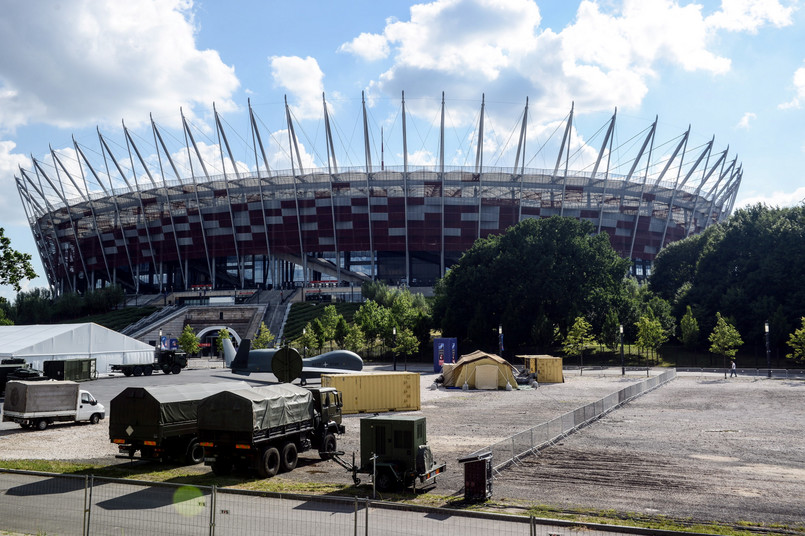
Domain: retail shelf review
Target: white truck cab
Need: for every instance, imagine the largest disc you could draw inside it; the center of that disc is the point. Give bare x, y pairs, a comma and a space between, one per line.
36, 404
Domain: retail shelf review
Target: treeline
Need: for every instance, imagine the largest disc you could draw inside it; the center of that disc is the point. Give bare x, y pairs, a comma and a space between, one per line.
39, 306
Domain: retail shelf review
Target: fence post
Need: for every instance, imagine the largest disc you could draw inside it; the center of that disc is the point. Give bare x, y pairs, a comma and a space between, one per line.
212, 510
355, 531
89, 504
84, 513
366, 519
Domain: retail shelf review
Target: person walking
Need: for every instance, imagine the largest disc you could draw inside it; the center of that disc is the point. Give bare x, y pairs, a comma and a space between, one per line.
732, 370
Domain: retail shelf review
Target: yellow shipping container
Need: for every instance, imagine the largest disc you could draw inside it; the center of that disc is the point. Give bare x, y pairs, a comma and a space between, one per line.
376, 392
548, 368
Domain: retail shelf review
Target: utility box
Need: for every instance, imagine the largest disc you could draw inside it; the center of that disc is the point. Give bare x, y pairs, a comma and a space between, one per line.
547, 368
477, 476
376, 392
76, 370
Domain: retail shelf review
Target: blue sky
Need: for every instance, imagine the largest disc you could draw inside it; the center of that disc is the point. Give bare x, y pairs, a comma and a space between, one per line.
733, 69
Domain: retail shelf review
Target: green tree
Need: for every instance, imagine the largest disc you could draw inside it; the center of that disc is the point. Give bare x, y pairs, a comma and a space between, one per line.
189, 341
264, 337
797, 343
650, 333
319, 335
689, 328
14, 266
355, 339
406, 343
219, 342
308, 339
610, 332
578, 337
555, 267
724, 340
341, 331
329, 321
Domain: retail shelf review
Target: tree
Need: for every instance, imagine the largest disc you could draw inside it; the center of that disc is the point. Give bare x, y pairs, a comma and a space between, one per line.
724, 340
189, 341
797, 343
650, 333
355, 340
407, 344
264, 337
689, 328
308, 339
341, 332
610, 332
14, 266
219, 342
329, 321
579, 336
559, 268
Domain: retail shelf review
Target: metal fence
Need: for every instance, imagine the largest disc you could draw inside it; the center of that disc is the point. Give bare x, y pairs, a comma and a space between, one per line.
53, 504
531, 441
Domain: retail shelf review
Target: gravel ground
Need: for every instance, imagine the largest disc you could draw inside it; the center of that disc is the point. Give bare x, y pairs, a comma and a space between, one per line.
700, 447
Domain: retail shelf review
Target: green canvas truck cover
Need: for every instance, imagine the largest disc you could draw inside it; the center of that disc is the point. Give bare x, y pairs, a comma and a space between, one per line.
25, 397
143, 408
258, 408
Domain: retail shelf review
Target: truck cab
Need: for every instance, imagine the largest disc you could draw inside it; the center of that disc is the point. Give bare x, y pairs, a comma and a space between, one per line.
88, 408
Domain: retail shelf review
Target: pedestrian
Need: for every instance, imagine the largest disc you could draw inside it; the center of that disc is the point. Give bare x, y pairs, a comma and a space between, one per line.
732, 370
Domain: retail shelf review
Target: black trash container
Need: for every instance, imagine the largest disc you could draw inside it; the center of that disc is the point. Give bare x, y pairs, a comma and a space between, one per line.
477, 476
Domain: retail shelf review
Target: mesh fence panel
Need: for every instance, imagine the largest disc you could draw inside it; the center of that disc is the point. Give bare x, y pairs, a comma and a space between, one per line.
23, 497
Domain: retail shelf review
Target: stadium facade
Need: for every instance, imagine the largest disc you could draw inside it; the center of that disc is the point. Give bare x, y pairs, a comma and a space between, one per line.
158, 231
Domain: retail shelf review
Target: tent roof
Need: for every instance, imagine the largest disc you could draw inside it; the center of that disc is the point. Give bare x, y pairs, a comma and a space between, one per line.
55, 339
479, 355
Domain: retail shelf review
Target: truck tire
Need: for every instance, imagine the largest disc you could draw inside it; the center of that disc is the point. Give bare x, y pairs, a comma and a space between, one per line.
147, 370
328, 446
289, 456
94, 418
41, 424
138, 370
269, 463
176, 369
126, 372
385, 480
195, 452
166, 369
222, 466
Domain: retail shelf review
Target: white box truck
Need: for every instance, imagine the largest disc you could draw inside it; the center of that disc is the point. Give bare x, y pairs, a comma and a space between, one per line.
38, 404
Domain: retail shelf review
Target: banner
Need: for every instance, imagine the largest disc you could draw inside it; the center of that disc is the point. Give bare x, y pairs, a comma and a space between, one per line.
444, 351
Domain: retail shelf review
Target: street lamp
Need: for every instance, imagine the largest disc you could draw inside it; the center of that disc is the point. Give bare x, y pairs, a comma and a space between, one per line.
394, 338
768, 351
500, 340
304, 343
623, 366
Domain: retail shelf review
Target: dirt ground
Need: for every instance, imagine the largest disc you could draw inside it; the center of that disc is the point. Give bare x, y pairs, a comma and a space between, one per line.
699, 448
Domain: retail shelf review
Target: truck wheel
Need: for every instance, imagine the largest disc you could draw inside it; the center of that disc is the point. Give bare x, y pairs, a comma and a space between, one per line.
328, 446
138, 370
41, 424
269, 463
195, 452
147, 370
176, 369
166, 369
385, 480
222, 467
94, 418
289, 456
25, 424
127, 372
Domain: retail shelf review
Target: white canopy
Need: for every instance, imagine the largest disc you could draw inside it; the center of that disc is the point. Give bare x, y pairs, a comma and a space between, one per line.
39, 343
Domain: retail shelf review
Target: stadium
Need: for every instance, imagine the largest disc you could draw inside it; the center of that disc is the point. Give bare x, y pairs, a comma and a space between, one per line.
131, 217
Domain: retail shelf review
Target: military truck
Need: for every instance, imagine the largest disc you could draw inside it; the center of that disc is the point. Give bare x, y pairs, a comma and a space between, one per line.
265, 428
160, 422
7, 367
394, 450
168, 361
40, 403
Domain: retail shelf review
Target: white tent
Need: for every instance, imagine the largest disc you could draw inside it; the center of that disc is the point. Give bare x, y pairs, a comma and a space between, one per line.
39, 343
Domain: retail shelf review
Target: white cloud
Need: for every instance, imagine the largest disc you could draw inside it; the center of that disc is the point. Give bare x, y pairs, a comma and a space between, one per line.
10, 163
606, 57
95, 61
799, 87
744, 122
370, 47
303, 78
773, 199
750, 15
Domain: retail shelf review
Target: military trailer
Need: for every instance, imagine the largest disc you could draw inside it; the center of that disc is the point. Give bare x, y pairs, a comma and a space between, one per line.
394, 449
265, 428
168, 361
161, 422
9, 366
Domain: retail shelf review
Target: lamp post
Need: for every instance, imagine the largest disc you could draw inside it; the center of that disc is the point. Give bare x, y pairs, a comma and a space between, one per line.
768, 351
304, 343
500, 340
394, 338
623, 366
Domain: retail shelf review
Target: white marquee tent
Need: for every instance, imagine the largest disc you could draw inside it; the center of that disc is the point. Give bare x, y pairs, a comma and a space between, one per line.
39, 343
